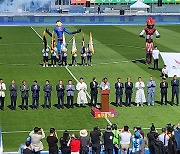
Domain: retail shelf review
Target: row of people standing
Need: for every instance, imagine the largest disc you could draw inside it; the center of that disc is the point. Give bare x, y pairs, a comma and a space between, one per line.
86, 58
82, 92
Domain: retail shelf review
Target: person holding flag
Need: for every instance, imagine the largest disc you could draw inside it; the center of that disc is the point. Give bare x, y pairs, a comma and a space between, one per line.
83, 53
73, 53
45, 51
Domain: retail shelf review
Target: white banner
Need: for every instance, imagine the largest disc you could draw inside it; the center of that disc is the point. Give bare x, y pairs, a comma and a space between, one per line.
172, 60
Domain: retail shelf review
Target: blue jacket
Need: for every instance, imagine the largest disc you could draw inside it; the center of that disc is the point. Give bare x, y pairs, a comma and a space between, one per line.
59, 31
35, 90
151, 86
13, 90
47, 90
70, 90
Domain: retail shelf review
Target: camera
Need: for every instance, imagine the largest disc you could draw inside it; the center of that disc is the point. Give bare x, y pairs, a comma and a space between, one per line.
137, 128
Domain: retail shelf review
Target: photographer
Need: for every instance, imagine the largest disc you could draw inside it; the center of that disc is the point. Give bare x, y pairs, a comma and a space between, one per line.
75, 144
36, 138
125, 136
151, 138
52, 141
136, 143
158, 145
165, 139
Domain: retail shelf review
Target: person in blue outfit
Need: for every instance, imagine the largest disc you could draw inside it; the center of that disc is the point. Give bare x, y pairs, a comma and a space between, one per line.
151, 91
136, 143
59, 30
35, 88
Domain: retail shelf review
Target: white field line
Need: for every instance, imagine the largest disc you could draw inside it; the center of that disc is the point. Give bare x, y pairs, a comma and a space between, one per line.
68, 71
18, 44
60, 130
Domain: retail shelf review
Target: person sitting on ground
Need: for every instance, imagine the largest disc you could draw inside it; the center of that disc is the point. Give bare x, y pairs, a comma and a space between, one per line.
164, 73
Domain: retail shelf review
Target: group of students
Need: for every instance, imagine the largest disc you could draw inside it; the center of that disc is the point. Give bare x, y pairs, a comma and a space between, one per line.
86, 58
111, 139
81, 87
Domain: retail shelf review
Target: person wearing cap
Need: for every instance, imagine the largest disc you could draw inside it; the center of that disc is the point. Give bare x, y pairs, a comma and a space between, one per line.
74, 144
2, 94
47, 94
136, 143
125, 137
175, 90
24, 88
52, 141
35, 88
13, 88
36, 138
108, 140
85, 140
95, 140
164, 89
28, 149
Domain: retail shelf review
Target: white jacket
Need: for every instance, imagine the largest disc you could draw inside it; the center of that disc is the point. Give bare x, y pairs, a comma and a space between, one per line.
2, 90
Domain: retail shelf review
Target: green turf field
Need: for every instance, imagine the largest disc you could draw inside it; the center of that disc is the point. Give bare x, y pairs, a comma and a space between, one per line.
116, 48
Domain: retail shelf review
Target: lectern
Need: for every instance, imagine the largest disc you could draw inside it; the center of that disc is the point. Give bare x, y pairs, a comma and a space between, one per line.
105, 100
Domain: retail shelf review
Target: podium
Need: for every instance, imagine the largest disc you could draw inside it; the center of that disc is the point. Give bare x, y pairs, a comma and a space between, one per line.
105, 111
105, 100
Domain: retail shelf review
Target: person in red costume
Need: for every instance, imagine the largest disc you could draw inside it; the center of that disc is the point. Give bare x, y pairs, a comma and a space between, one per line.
149, 30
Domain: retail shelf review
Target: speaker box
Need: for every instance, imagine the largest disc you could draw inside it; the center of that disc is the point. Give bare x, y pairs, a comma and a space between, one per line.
87, 3
159, 2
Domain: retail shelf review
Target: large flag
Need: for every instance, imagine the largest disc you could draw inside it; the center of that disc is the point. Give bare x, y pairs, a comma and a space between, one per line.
74, 49
91, 48
63, 47
172, 61
45, 41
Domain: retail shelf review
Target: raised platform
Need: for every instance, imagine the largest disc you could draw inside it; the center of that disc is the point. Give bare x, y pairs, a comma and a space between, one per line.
112, 113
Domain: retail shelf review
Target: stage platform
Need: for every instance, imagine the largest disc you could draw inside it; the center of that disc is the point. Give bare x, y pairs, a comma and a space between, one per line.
112, 113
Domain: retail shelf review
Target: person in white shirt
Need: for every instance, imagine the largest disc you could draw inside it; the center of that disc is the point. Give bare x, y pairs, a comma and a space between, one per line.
140, 96
2, 94
155, 54
125, 136
164, 138
164, 72
81, 87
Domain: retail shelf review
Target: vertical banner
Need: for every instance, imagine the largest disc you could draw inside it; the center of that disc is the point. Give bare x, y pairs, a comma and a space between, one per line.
172, 60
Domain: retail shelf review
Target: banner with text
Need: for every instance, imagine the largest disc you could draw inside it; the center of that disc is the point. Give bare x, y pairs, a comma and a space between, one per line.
172, 60
132, 1
78, 1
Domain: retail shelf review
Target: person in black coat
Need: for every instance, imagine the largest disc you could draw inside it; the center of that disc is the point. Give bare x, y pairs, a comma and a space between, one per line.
164, 87
119, 86
94, 92
108, 140
60, 94
158, 145
95, 140
63, 143
175, 90
128, 91
35, 88
13, 94
28, 149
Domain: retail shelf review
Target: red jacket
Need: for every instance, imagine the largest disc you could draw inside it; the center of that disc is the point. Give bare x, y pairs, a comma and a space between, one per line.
75, 145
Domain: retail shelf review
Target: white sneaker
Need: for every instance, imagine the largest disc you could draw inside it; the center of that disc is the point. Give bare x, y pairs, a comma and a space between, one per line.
54, 65
51, 65
75, 65
47, 66
141, 105
44, 65
137, 104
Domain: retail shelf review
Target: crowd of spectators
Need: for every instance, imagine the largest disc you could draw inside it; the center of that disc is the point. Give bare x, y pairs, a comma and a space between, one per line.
108, 141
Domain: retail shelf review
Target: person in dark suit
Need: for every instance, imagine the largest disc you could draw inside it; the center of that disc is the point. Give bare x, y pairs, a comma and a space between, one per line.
175, 90
70, 88
128, 91
119, 86
60, 94
94, 92
35, 88
24, 88
13, 88
47, 94
28, 149
164, 87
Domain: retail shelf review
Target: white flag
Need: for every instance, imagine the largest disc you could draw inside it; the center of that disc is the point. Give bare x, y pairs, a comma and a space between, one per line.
74, 49
91, 48
63, 46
